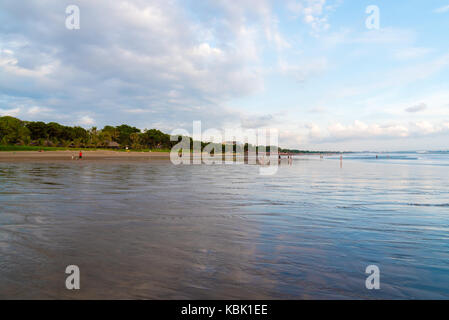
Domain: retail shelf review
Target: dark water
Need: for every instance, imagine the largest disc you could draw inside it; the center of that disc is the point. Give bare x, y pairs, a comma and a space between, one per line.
154, 230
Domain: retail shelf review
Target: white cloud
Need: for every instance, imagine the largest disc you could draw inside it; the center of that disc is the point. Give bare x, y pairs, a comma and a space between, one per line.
401, 40
10, 112
86, 121
416, 108
290, 138
419, 71
314, 131
135, 54
138, 111
313, 12
422, 128
35, 110
359, 130
258, 121
411, 53
156, 63
238, 14
317, 109
442, 9
394, 77
384, 36
305, 70
205, 51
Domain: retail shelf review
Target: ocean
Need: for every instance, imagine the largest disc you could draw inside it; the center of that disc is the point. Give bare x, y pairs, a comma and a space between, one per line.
153, 230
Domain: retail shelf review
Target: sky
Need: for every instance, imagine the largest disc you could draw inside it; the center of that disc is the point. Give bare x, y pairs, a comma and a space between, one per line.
327, 74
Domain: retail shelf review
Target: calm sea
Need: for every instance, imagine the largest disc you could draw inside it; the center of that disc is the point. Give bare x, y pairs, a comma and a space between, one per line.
153, 230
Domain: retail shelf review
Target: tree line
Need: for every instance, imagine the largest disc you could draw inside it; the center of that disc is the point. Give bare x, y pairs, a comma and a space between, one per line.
14, 131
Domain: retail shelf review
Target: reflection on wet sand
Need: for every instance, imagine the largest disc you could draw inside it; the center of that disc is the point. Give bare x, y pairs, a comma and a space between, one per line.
158, 231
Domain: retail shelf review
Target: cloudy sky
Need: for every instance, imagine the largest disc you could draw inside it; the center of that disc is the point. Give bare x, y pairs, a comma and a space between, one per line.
310, 68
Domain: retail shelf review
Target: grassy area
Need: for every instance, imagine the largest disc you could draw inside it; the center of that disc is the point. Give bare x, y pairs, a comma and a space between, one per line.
140, 150
37, 148
30, 148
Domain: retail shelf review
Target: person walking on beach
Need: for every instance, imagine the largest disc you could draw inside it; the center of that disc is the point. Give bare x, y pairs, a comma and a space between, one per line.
80, 155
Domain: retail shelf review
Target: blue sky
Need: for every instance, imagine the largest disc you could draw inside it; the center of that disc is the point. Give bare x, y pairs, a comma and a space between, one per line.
310, 68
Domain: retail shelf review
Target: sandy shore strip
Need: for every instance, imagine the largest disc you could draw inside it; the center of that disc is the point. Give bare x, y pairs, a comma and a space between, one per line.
72, 155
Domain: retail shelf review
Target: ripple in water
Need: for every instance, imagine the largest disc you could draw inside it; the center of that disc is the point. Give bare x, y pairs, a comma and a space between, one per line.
158, 231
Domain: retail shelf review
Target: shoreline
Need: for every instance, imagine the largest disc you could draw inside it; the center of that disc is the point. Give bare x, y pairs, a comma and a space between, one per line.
93, 155
66, 155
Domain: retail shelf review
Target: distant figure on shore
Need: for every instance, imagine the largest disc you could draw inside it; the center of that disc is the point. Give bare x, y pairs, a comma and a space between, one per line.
80, 155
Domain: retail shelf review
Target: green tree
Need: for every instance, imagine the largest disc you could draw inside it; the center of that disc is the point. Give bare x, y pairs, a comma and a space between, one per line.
124, 134
38, 130
109, 133
13, 131
54, 131
156, 139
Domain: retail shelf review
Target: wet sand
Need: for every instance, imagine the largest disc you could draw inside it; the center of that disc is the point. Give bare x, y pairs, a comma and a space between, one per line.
69, 155
94, 155
153, 230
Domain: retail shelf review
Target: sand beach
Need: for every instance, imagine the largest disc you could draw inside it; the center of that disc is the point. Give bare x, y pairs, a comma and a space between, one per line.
72, 155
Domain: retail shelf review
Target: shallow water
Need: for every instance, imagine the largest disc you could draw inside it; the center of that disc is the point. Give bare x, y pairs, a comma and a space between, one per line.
155, 230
